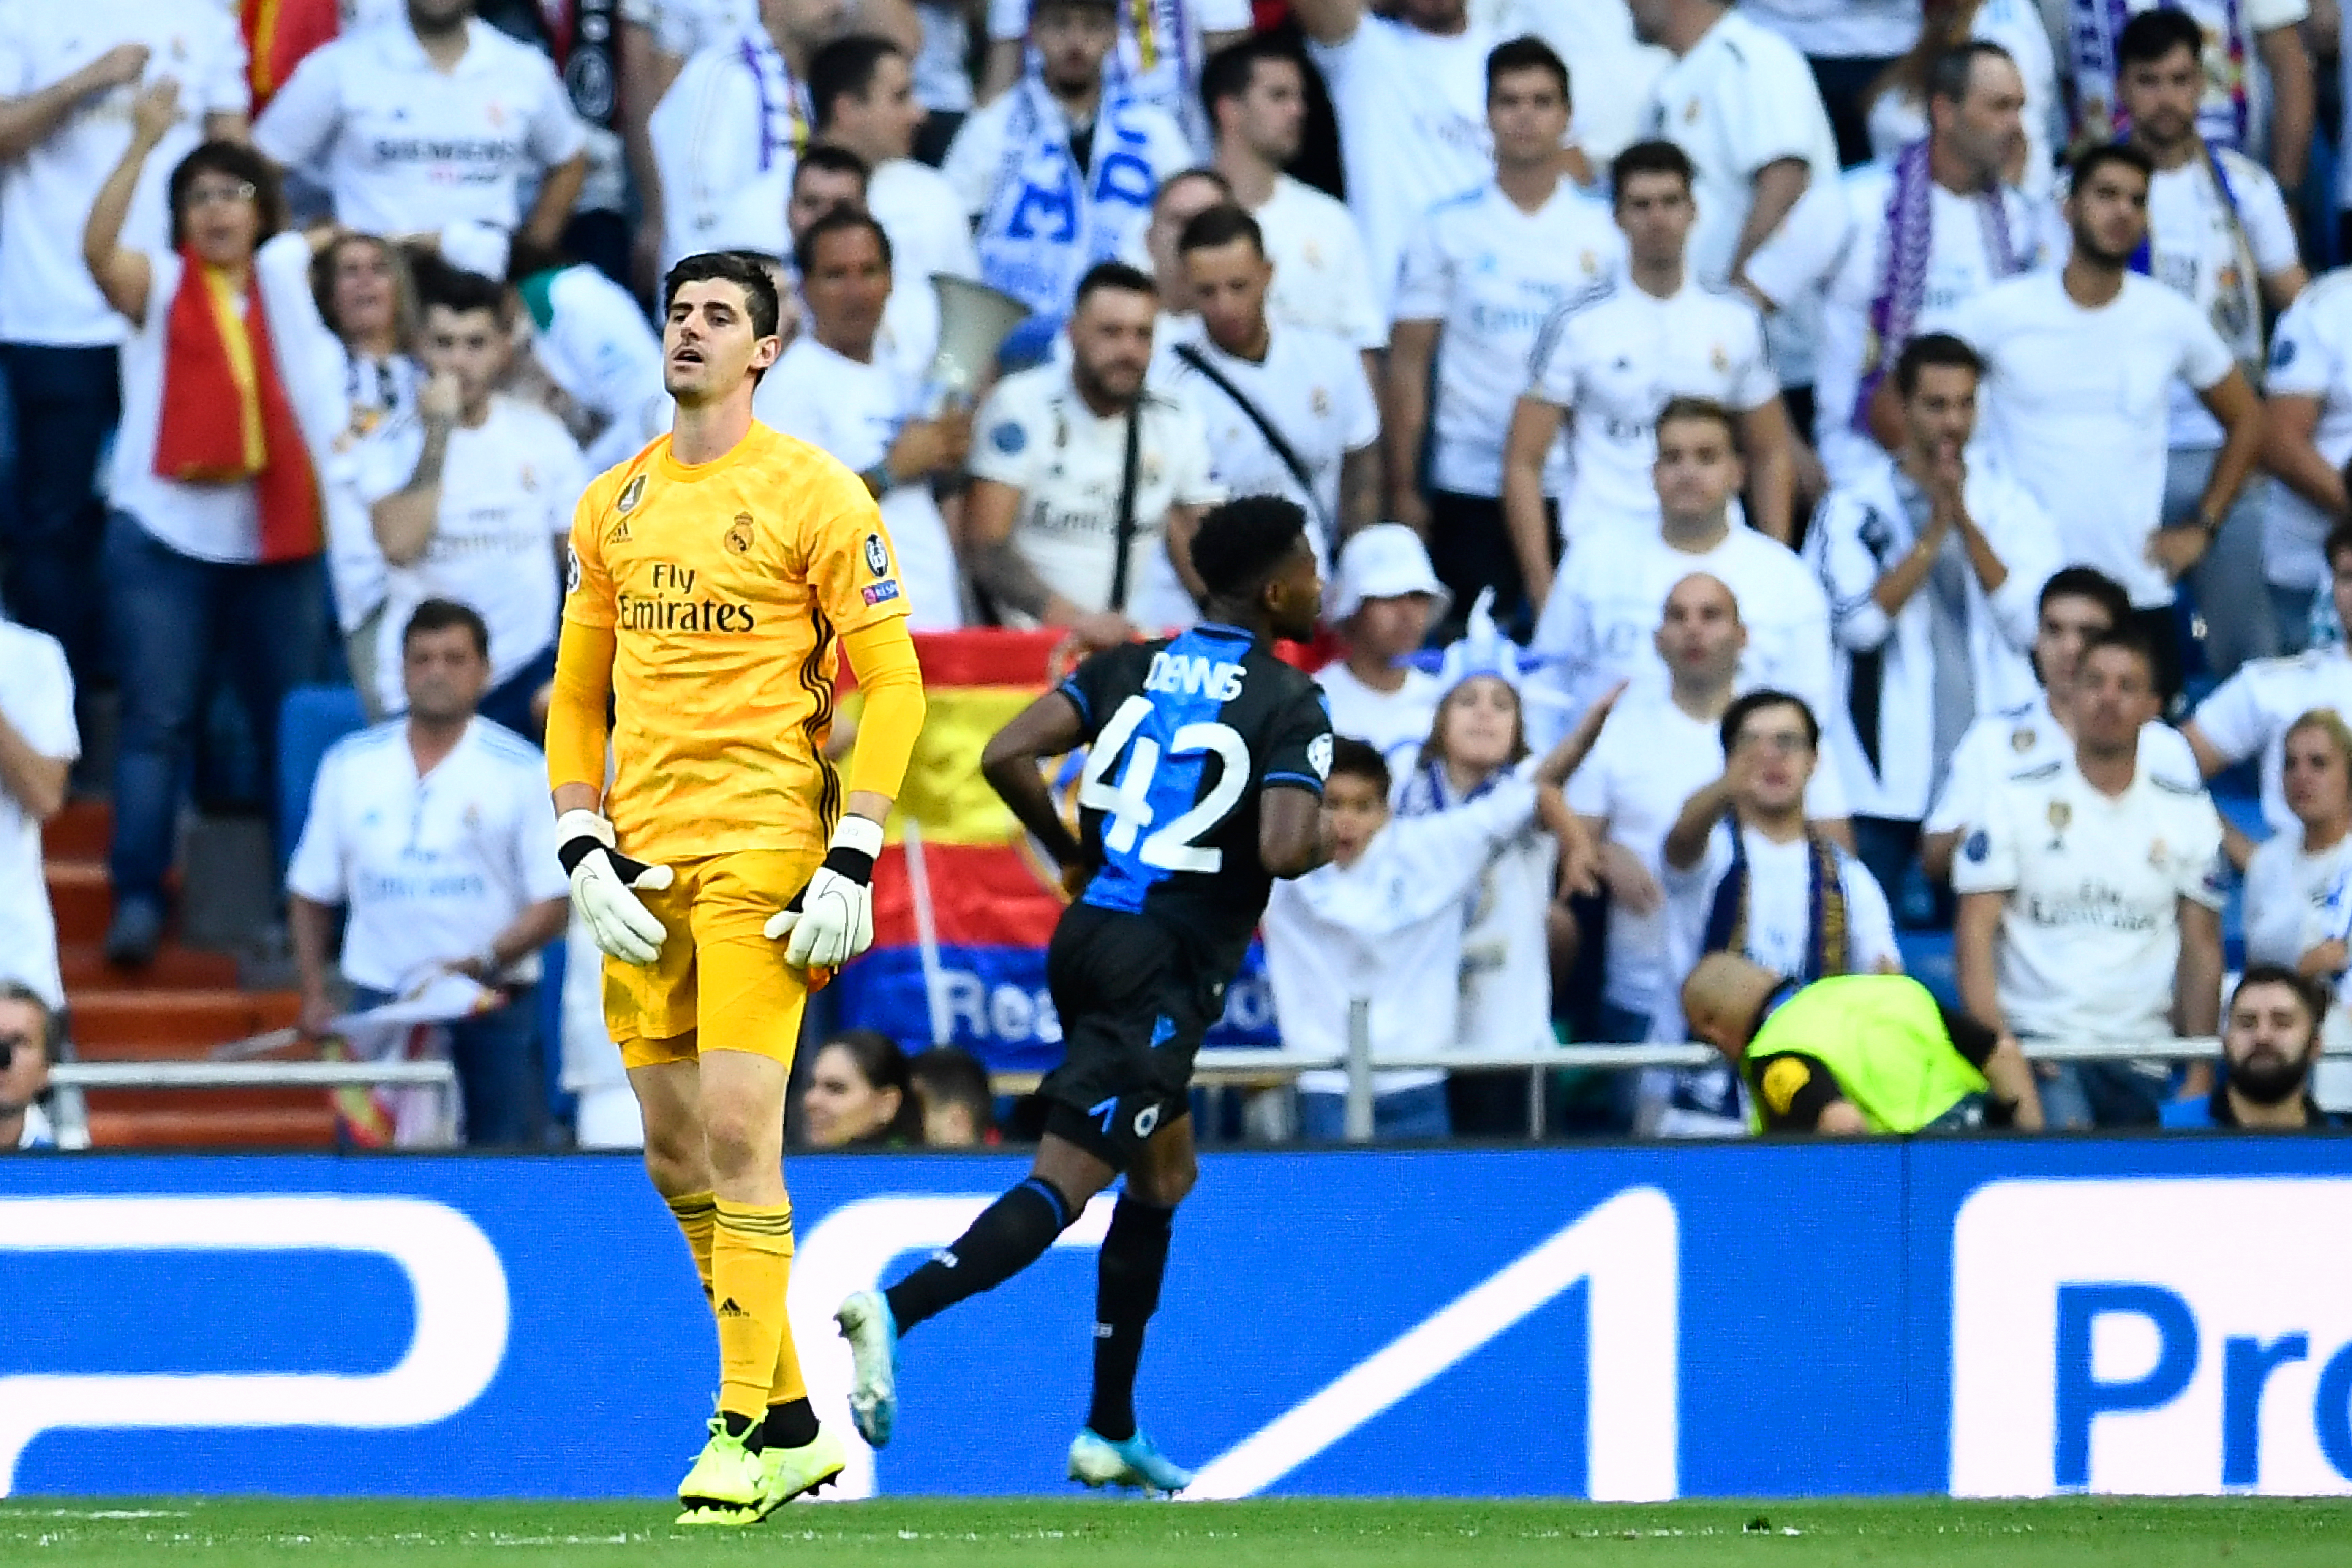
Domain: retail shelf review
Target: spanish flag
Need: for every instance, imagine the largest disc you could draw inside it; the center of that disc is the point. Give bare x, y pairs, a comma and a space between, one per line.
992, 899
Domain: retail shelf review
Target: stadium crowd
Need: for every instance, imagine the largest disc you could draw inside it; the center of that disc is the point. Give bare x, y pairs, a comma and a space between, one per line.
1783, 469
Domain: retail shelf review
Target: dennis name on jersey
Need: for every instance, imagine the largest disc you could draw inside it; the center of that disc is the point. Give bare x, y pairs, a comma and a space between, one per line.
1188, 675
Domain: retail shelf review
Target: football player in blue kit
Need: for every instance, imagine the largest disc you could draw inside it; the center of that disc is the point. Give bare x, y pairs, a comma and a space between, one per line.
1203, 783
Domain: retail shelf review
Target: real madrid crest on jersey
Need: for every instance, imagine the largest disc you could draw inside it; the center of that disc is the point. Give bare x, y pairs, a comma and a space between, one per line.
739, 533
2061, 814
632, 493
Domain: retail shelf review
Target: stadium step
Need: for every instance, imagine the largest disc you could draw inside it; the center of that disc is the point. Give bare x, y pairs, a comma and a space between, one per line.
249, 1118
176, 1009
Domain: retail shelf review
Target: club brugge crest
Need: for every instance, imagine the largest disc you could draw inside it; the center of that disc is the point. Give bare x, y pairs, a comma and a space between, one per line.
878, 555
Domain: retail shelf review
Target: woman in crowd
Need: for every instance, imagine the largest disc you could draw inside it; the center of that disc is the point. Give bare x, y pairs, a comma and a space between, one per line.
2299, 883
860, 1095
368, 299
232, 402
1515, 940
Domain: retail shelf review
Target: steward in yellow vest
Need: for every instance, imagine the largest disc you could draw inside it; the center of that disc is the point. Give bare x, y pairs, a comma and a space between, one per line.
1856, 1053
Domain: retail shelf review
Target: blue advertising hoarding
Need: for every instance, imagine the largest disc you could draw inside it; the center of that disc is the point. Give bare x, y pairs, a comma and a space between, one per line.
1987, 1317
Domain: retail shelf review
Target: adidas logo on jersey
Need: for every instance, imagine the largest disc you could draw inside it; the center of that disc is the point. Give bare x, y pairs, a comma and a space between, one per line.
620, 533
728, 1308
1188, 675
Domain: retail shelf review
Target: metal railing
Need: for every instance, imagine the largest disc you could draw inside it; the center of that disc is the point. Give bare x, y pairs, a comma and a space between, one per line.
1228, 1066
253, 1075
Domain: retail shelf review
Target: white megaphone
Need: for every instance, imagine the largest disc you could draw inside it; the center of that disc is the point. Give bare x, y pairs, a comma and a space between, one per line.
974, 321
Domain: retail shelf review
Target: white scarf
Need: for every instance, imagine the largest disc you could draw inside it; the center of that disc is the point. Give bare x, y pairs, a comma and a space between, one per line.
1047, 221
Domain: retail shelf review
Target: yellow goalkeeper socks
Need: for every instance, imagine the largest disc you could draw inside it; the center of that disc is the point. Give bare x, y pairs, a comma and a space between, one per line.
751, 1269
695, 1215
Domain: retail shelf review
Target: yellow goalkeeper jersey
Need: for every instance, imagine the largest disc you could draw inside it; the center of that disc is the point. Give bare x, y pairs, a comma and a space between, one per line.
726, 587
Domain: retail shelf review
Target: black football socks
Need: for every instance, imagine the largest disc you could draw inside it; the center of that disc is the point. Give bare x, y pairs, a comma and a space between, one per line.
1012, 1233
1126, 1292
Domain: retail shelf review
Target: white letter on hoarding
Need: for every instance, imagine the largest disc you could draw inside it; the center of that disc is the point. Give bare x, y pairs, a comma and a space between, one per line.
2255, 1257
1628, 1249
461, 1315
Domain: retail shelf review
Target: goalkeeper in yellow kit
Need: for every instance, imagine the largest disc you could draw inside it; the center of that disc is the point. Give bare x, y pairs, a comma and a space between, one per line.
715, 578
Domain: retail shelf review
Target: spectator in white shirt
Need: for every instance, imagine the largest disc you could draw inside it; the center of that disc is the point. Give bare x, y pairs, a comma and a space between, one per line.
435, 831
1181, 198
1516, 937
2078, 606
1848, 44
1383, 924
2248, 714
1063, 527
1256, 95
39, 744
1933, 568
368, 299
1745, 871
833, 390
1740, 100
2298, 896
1289, 410
2091, 902
1908, 242
67, 73
1898, 101
1598, 628
471, 500
1481, 274
1410, 94
1609, 359
432, 125
1162, 45
2249, 51
1384, 600
654, 40
724, 139
1656, 751
1059, 172
28, 1028
2307, 442
861, 92
217, 522
2221, 235
589, 337
2078, 365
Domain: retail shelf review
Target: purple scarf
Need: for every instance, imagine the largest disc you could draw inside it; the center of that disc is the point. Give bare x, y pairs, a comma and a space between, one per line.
1902, 275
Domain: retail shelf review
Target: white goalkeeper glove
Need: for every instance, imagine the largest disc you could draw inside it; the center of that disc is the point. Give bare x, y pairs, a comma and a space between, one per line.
602, 880
831, 920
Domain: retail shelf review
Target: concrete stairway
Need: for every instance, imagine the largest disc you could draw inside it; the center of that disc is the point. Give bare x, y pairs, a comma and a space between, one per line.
187, 1002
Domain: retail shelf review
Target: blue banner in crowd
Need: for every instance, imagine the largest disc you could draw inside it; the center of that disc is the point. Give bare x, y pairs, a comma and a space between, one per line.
1988, 1318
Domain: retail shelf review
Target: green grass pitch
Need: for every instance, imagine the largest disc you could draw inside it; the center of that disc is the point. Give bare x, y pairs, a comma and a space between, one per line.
2242, 1532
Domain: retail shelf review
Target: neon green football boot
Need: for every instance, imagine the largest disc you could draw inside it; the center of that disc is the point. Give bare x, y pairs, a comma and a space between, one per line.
728, 1483
790, 1472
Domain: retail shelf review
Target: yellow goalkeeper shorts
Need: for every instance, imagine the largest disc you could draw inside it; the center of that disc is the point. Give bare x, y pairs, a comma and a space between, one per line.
715, 963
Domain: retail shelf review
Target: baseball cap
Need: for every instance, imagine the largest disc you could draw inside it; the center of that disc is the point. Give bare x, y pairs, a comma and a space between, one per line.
1385, 561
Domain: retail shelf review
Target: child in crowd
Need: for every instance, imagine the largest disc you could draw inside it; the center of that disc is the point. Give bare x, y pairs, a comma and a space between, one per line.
1516, 937
1383, 924
1383, 604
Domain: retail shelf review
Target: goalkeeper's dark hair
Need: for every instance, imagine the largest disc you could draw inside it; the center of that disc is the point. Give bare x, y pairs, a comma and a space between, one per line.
1354, 759
1243, 541
748, 272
